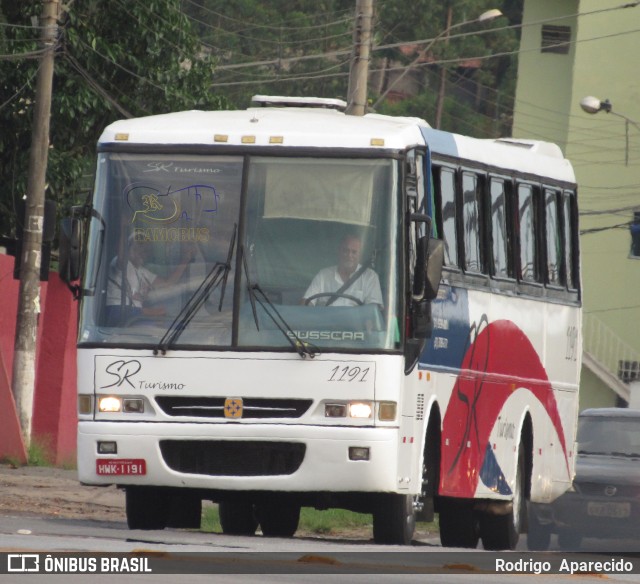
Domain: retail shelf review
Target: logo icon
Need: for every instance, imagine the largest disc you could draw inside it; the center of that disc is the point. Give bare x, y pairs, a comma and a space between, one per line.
610, 491
23, 563
233, 407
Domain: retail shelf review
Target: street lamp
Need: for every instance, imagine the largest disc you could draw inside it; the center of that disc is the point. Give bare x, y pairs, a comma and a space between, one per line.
484, 17
592, 105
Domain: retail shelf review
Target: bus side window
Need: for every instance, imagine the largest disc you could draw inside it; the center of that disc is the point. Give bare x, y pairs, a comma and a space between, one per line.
447, 192
554, 254
526, 217
569, 217
499, 235
471, 222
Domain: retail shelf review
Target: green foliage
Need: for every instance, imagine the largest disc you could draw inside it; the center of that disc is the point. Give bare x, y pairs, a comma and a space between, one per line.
479, 95
116, 58
276, 35
119, 58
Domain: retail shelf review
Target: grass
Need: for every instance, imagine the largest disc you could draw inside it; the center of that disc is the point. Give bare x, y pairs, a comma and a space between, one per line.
312, 521
41, 453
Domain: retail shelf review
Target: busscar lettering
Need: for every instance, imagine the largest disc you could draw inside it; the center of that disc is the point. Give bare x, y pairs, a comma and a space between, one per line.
327, 335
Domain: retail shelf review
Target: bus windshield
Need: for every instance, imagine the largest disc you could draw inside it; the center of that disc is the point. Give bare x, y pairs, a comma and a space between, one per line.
252, 252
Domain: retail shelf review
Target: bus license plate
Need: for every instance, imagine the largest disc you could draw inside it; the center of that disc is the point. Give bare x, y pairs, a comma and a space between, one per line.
617, 510
120, 467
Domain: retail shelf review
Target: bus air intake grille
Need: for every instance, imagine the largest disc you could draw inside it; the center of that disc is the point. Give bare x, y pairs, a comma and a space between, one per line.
252, 408
248, 458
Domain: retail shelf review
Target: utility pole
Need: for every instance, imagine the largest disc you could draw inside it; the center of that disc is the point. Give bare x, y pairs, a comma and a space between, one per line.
24, 358
359, 73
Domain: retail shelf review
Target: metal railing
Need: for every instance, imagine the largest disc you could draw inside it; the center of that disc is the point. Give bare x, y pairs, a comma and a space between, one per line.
613, 354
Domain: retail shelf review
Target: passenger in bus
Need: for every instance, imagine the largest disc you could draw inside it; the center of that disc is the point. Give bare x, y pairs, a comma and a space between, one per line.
139, 283
348, 283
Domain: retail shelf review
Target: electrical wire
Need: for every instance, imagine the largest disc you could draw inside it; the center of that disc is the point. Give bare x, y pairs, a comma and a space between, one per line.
17, 93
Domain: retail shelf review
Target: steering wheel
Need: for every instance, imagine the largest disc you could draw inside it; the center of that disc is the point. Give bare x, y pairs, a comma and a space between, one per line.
337, 295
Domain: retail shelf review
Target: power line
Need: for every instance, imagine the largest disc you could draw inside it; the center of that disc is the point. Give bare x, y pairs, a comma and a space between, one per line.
268, 26
17, 93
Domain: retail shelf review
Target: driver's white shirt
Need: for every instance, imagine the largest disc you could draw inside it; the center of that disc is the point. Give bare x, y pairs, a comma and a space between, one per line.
366, 288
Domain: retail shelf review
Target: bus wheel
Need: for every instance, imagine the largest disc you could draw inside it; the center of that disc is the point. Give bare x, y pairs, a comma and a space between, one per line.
458, 523
394, 519
237, 517
501, 532
185, 512
146, 507
278, 518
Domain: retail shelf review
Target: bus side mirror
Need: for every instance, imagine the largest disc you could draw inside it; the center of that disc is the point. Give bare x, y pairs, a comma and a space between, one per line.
428, 272
433, 268
70, 249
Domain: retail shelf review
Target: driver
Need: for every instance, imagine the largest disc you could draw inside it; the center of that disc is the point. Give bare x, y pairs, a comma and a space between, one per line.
348, 283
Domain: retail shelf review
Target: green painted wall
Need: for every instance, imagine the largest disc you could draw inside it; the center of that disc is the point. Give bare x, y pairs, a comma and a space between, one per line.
601, 62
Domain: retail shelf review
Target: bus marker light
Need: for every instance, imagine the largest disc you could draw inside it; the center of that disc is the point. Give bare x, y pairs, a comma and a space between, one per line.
358, 453
85, 404
387, 411
335, 411
109, 404
107, 448
360, 410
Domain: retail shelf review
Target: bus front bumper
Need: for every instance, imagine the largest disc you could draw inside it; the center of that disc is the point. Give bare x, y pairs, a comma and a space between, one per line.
239, 457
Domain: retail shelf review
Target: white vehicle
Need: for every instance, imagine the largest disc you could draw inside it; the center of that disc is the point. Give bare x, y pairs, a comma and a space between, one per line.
207, 370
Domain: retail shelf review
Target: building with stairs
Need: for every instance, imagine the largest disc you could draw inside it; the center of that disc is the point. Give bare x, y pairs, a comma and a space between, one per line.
571, 49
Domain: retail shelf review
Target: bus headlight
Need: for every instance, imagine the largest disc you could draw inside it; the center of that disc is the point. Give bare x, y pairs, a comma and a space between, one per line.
360, 409
335, 411
109, 403
134, 405
386, 410
114, 404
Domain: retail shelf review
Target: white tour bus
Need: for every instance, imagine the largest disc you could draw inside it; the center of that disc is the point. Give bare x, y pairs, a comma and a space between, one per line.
326, 310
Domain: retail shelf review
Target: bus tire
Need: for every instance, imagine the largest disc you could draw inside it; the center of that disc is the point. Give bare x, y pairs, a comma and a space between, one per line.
458, 524
185, 512
394, 519
146, 508
501, 532
237, 517
278, 518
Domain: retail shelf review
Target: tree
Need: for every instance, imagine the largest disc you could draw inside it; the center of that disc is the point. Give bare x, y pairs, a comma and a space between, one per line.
115, 59
479, 92
266, 47
279, 47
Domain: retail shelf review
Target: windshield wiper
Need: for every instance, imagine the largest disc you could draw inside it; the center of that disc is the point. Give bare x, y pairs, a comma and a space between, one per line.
217, 276
257, 294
